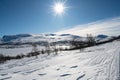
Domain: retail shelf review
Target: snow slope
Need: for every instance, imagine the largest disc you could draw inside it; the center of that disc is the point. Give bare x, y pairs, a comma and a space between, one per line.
41, 38
25, 38
94, 63
110, 26
24, 49
13, 50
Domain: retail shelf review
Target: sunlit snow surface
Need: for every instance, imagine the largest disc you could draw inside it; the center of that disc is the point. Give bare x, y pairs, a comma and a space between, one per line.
94, 63
25, 49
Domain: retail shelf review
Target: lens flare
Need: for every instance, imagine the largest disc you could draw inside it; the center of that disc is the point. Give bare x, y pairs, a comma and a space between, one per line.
59, 7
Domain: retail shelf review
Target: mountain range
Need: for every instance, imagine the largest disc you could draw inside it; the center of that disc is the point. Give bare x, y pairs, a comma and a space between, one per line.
31, 38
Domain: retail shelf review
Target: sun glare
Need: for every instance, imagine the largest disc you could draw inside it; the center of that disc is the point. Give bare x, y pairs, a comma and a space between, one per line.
59, 8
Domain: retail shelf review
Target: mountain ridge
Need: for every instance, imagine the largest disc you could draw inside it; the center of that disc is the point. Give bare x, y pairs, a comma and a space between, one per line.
31, 38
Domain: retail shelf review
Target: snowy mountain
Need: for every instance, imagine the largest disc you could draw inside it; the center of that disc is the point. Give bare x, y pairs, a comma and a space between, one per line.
28, 38
102, 36
41, 38
8, 38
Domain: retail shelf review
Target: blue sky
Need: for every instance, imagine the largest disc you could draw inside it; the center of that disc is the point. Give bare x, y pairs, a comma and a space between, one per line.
36, 16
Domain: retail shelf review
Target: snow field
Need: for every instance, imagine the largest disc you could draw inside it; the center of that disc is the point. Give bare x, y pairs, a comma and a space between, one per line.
94, 63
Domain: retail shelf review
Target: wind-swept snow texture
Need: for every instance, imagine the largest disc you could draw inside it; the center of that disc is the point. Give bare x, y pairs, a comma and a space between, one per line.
94, 63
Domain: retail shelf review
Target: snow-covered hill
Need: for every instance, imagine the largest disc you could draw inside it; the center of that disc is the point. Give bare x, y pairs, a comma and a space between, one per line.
94, 63
24, 38
13, 50
30, 38
62, 40
109, 26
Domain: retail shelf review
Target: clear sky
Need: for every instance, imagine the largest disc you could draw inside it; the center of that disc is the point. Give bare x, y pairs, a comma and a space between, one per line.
36, 16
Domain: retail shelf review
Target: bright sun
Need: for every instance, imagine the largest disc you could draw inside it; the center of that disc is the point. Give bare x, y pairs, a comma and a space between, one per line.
59, 8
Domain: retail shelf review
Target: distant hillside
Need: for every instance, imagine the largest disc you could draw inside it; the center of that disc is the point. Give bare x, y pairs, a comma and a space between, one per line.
42, 38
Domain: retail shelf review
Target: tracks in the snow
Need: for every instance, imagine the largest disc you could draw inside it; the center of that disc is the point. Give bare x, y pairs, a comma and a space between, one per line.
119, 66
118, 63
107, 64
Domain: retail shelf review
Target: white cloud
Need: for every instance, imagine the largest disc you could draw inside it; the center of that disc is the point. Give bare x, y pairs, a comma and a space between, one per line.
109, 26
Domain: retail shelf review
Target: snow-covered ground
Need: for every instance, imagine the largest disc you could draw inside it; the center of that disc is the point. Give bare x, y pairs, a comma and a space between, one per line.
15, 51
25, 49
94, 63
